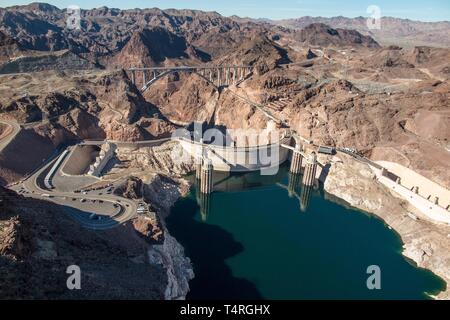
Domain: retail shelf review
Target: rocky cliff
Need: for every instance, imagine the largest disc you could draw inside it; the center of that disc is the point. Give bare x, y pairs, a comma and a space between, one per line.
164, 251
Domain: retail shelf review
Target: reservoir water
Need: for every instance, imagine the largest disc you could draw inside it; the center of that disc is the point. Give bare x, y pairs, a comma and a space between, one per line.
268, 237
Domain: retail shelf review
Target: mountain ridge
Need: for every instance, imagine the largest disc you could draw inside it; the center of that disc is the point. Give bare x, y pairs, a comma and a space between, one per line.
108, 36
394, 31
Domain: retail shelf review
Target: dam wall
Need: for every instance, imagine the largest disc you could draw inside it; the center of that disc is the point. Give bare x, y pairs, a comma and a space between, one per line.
240, 159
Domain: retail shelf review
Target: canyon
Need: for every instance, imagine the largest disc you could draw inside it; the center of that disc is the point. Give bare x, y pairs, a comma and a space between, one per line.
332, 81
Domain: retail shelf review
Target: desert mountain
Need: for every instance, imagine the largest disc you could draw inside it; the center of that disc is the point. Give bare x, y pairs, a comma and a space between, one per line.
394, 31
150, 36
322, 35
258, 50
155, 47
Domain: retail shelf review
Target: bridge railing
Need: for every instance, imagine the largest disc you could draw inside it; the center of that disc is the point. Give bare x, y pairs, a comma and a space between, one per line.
187, 67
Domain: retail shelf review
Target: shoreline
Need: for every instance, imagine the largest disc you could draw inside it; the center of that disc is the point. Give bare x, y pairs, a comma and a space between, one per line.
423, 242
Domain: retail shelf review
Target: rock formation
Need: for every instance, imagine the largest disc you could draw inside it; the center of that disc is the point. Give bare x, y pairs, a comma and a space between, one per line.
335, 86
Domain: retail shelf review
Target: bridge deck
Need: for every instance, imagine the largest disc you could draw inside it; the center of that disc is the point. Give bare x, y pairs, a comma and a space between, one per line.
185, 67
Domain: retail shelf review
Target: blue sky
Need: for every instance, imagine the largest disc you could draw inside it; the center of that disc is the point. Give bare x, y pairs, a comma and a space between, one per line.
425, 10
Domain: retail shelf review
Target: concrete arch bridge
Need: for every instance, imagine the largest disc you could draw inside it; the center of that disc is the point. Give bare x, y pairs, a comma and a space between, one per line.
218, 76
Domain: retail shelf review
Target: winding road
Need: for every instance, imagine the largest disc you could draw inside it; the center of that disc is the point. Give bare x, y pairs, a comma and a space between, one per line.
12, 129
126, 208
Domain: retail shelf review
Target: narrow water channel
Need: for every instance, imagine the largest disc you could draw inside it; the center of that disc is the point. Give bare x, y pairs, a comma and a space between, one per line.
269, 237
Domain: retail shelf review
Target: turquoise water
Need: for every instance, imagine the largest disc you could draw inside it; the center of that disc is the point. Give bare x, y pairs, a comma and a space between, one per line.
264, 237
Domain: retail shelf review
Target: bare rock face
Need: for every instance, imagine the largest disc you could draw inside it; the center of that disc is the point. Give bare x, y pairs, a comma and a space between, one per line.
233, 113
113, 38
149, 229
156, 128
430, 125
183, 99
352, 183
167, 158
22, 155
389, 103
172, 189
131, 188
422, 63
178, 267
391, 57
122, 132
81, 124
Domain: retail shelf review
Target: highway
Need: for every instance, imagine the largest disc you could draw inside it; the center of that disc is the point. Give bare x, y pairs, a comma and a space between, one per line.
126, 208
9, 133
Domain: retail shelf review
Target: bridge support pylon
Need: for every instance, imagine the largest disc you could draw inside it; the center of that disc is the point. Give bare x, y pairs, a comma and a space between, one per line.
296, 162
309, 175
